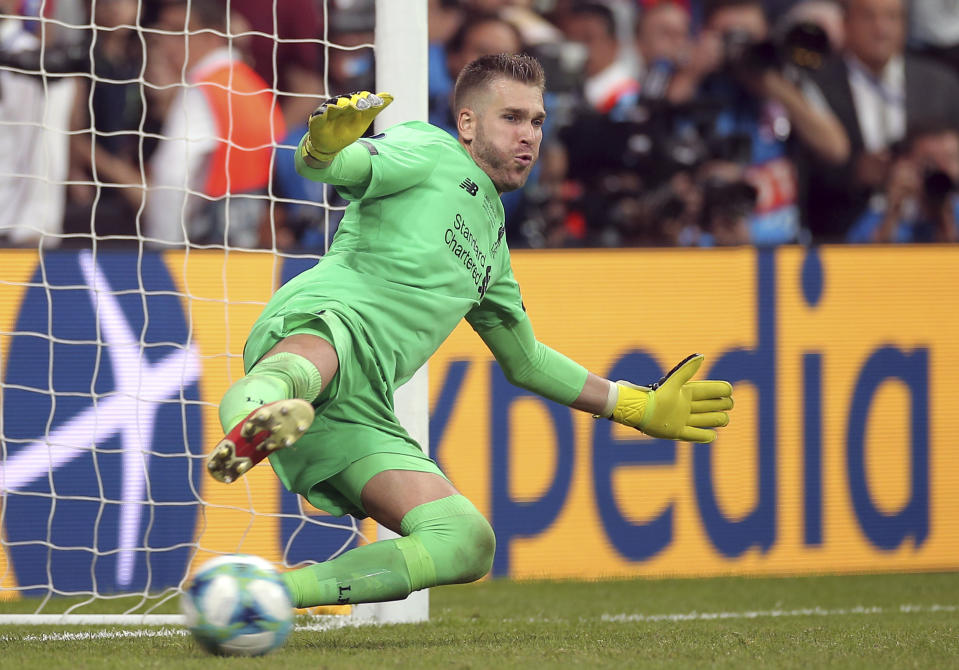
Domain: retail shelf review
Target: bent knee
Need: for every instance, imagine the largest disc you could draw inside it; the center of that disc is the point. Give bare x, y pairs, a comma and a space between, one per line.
478, 548
458, 540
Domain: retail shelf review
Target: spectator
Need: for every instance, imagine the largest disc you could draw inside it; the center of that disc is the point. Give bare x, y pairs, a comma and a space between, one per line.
299, 219
290, 60
609, 78
216, 152
758, 111
478, 35
34, 125
533, 27
934, 28
876, 91
445, 18
663, 39
827, 14
663, 33
107, 153
776, 9
919, 201
726, 204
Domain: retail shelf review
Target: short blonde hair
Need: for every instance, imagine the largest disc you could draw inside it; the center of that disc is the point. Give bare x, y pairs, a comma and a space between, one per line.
486, 69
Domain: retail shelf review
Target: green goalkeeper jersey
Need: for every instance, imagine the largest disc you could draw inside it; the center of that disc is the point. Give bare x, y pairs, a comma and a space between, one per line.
421, 245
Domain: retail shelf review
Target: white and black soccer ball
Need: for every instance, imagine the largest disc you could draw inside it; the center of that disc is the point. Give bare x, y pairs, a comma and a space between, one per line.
238, 605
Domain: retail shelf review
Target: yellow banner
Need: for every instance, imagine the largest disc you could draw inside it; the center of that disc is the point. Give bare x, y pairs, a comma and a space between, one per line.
836, 460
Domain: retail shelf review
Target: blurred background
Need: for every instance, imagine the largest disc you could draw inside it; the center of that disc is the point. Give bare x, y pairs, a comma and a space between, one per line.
694, 123
820, 130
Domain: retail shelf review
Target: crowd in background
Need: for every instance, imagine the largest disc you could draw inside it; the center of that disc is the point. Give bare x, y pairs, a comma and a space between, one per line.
670, 122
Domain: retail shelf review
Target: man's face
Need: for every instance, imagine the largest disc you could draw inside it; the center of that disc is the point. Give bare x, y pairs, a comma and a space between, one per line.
170, 48
601, 47
503, 131
875, 30
113, 13
664, 33
489, 37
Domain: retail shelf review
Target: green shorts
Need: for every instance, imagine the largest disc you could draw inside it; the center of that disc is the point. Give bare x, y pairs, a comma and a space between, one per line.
354, 418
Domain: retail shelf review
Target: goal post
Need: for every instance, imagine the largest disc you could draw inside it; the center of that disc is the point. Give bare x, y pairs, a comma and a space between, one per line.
404, 75
112, 361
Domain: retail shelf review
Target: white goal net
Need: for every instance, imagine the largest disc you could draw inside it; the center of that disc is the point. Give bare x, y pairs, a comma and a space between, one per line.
149, 211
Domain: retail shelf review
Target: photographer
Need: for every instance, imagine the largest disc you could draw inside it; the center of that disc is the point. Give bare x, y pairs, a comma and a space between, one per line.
748, 77
920, 201
726, 204
35, 103
877, 90
734, 51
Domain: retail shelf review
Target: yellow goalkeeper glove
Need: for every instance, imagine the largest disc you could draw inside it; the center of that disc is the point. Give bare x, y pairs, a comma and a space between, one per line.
675, 408
340, 121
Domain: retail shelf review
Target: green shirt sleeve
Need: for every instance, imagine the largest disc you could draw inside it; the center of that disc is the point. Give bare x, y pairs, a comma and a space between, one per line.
501, 321
532, 365
374, 167
351, 169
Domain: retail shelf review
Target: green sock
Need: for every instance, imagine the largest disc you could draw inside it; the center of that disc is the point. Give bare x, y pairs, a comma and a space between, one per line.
447, 542
279, 377
373, 573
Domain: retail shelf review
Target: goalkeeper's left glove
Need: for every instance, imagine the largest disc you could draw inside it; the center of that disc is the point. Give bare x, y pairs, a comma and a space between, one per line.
675, 408
340, 121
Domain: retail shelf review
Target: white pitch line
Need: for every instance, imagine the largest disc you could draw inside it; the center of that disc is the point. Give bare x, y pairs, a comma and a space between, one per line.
771, 614
320, 624
95, 635
612, 618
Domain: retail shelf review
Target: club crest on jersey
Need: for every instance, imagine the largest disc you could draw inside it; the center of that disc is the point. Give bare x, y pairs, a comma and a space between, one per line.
482, 287
501, 233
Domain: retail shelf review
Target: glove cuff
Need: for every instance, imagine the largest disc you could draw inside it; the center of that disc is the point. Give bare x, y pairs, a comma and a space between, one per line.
317, 158
634, 405
648, 411
612, 397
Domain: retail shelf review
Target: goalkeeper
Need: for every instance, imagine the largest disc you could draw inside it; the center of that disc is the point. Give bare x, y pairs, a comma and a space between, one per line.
420, 247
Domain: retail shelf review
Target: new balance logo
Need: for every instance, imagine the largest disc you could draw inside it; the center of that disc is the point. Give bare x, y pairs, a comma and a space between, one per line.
469, 186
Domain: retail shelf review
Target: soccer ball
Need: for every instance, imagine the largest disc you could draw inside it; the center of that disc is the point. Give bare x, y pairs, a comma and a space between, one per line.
238, 605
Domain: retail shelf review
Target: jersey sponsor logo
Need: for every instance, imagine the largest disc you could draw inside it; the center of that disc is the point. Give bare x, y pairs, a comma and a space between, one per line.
101, 419
463, 243
469, 186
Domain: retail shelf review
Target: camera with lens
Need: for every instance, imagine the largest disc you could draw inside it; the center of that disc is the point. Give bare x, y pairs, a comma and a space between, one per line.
804, 45
629, 166
937, 185
53, 59
564, 64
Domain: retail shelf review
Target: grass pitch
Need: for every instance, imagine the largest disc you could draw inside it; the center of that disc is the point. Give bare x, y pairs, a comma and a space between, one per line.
869, 621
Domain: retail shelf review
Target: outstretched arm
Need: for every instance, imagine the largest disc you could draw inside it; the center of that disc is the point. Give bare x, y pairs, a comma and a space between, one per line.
673, 408
530, 364
351, 167
327, 152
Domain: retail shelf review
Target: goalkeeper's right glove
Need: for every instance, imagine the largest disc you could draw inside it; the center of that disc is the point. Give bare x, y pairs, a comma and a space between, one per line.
340, 121
675, 408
